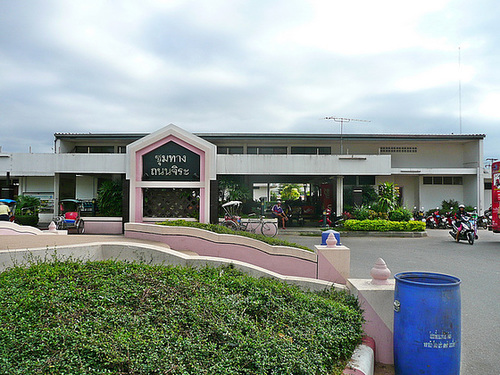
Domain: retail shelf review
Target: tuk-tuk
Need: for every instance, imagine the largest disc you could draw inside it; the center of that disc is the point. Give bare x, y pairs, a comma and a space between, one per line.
69, 210
12, 207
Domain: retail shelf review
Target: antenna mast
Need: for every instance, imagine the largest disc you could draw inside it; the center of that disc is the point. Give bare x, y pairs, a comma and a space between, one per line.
460, 89
342, 120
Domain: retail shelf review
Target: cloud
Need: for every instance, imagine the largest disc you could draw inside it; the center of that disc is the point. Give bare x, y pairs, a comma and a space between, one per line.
85, 66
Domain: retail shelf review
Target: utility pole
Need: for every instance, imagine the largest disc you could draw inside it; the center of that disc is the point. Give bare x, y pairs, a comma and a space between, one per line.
342, 120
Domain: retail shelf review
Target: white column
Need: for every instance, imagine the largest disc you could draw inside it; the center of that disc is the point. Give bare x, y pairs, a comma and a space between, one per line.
340, 196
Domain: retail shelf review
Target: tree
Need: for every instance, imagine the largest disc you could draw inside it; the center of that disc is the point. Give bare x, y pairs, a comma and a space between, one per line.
109, 198
290, 192
232, 189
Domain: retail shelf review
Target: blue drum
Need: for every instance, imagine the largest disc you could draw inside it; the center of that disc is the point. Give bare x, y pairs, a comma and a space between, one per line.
427, 324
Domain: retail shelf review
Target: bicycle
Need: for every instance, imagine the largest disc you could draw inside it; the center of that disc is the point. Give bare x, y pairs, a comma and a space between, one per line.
234, 222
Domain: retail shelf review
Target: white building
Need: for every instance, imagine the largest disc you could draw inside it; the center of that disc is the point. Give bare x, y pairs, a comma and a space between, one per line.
427, 168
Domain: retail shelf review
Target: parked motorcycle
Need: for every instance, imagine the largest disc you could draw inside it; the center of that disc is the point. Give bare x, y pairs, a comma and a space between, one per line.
469, 229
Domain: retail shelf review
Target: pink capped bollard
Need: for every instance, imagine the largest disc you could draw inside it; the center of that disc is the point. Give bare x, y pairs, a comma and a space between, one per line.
52, 227
331, 241
380, 273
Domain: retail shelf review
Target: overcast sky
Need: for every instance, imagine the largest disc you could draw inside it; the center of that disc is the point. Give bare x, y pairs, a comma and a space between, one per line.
248, 66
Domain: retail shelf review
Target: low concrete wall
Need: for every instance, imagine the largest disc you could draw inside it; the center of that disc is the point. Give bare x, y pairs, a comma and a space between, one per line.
12, 229
103, 225
134, 252
377, 301
281, 259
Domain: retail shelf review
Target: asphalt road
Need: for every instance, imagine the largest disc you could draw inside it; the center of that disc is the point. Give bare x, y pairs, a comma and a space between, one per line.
478, 267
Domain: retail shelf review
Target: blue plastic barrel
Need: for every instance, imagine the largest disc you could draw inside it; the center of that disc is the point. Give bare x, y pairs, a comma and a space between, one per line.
427, 324
326, 233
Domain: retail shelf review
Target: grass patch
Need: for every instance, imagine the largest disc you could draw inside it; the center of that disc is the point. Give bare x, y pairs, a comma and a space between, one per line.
273, 241
125, 318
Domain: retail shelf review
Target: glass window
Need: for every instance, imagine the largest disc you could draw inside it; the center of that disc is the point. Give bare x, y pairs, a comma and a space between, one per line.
251, 150
102, 149
82, 149
366, 180
427, 180
457, 181
349, 180
304, 150
272, 150
437, 180
325, 150
235, 150
448, 180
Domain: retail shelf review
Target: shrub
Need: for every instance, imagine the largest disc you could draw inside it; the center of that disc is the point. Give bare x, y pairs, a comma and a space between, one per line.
384, 225
31, 220
120, 318
400, 214
109, 198
361, 213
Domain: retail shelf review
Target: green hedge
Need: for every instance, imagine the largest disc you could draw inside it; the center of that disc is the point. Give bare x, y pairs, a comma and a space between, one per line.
225, 230
125, 318
384, 225
31, 220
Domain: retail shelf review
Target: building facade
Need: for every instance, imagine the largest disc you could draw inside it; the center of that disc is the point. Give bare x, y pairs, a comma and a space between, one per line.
426, 168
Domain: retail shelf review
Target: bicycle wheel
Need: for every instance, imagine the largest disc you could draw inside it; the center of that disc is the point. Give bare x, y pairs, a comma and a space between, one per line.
230, 224
269, 229
80, 229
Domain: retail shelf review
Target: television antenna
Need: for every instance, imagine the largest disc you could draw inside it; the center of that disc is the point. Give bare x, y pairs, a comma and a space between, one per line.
342, 120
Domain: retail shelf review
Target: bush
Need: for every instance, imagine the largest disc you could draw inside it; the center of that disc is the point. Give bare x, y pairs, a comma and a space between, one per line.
384, 225
31, 220
110, 198
119, 318
361, 213
400, 214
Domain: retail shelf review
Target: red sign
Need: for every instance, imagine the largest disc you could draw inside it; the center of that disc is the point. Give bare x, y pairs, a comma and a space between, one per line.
495, 201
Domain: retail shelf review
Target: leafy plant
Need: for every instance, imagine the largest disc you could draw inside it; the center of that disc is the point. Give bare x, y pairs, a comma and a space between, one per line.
110, 198
387, 197
27, 209
120, 318
27, 205
400, 214
233, 189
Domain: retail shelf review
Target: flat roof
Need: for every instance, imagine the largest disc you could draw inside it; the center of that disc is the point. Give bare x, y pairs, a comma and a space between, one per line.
207, 136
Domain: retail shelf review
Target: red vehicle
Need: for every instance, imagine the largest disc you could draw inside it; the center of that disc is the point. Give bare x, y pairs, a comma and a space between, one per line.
495, 201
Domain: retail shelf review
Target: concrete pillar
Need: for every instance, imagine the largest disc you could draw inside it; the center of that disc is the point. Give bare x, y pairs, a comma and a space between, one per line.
339, 209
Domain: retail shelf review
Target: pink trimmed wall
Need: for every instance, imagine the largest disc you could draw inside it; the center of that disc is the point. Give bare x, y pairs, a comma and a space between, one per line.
282, 264
138, 168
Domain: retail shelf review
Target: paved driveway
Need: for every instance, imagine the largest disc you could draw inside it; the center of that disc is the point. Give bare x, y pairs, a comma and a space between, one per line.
478, 267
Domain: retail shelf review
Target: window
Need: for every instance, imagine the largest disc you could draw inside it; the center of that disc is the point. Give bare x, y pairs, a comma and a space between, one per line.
442, 180
267, 150
311, 150
397, 149
233, 150
487, 186
102, 149
94, 149
359, 180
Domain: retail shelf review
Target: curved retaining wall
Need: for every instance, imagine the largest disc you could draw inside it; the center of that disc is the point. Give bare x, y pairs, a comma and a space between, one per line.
151, 254
281, 259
